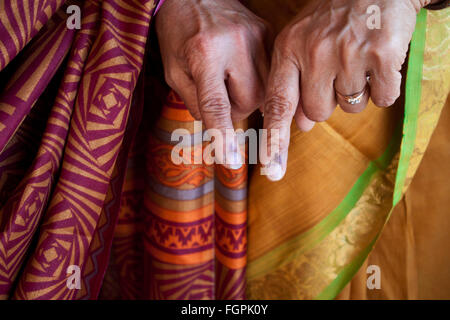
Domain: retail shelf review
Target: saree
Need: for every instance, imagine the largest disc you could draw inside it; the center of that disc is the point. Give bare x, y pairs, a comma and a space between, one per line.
87, 182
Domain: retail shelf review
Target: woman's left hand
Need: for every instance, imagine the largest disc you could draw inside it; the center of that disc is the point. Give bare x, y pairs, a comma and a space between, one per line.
324, 57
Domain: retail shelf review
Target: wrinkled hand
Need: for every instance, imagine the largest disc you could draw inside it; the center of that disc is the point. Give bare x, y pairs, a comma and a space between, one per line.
329, 48
215, 56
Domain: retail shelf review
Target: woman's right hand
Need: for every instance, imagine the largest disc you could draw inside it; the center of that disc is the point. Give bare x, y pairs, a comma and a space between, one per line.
216, 57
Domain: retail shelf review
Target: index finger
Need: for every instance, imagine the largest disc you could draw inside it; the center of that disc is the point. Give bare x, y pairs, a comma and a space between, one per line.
282, 98
215, 109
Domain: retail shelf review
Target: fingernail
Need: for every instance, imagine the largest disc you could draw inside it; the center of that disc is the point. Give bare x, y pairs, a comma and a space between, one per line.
274, 170
233, 158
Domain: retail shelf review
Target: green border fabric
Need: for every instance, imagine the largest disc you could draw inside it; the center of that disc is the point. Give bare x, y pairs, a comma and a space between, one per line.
312, 237
413, 92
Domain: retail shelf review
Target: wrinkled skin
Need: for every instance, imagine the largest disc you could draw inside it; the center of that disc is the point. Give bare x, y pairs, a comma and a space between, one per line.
329, 47
216, 57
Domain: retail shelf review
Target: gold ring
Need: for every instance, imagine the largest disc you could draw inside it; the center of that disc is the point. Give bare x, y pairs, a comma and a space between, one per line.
353, 98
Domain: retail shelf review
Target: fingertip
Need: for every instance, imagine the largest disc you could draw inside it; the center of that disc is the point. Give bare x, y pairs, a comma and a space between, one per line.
276, 168
384, 101
275, 172
304, 124
385, 88
233, 159
234, 166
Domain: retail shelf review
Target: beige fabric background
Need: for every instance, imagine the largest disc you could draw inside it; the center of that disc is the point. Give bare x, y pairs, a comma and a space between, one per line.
413, 251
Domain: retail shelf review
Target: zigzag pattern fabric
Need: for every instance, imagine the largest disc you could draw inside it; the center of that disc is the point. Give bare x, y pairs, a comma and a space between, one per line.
58, 209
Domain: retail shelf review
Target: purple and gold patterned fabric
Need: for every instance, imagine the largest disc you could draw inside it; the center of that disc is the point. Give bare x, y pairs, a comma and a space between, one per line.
87, 182
63, 151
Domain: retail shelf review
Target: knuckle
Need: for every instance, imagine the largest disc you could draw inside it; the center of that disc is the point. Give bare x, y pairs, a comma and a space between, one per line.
200, 44
215, 105
319, 49
278, 108
282, 46
387, 53
199, 52
296, 30
239, 34
285, 37
389, 45
316, 47
291, 34
239, 29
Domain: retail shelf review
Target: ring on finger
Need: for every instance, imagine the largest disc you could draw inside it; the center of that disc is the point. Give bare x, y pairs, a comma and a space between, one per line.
355, 98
